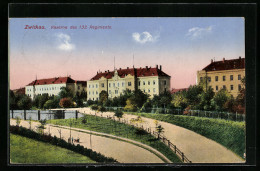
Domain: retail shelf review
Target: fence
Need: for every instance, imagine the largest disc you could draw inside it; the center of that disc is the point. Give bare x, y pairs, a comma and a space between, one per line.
45, 114
199, 113
167, 142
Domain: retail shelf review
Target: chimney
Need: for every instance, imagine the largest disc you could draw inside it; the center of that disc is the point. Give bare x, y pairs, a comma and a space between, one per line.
107, 70
223, 60
156, 66
211, 60
146, 67
119, 68
127, 67
160, 67
240, 57
97, 72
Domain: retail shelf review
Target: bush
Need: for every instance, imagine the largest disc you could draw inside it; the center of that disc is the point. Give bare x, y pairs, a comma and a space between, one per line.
66, 103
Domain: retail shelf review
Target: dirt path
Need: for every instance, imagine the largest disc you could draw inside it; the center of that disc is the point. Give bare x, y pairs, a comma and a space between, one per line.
123, 152
197, 148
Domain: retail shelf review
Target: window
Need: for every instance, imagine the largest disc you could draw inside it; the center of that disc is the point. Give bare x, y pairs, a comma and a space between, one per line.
102, 85
216, 78
93, 86
231, 87
96, 85
231, 77
109, 85
116, 91
224, 78
114, 85
239, 77
122, 84
89, 93
209, 79
143, 82
153, 82
216, 88
109, 91
148, 90
93, 92
97, 98
239, 87
148, 82
139, 83
96, 92
89, 86
224, 87
154, 90
117, 84
164, 82
129, 83
144, 90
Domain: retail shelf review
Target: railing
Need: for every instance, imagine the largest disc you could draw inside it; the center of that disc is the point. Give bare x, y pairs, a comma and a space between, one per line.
198, 113
167, 142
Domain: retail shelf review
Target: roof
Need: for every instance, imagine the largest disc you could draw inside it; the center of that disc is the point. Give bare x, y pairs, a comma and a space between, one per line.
138, 72
178, 90
19, 91
226, 64
55, 80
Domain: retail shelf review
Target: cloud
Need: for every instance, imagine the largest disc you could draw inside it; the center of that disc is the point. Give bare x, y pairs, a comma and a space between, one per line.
144, 37
64, 42
198, 32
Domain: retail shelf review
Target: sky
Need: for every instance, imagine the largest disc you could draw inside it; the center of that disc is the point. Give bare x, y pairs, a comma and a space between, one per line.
182, 46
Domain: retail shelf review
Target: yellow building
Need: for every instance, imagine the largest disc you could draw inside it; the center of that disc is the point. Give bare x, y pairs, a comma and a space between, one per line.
52, 86
152, 81
226, 74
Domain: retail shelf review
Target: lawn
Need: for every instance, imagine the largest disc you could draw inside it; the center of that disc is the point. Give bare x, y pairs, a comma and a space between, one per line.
230, 134
28, 151
112, 127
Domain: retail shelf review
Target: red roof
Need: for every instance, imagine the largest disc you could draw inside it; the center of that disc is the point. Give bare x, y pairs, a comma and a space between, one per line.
226, 65
138, 72
56, 80
178, 90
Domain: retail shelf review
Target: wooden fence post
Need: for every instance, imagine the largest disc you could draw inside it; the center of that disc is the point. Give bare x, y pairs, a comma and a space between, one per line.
182, 156
24, 115
175, 148
169, 143
39, 115
76, 114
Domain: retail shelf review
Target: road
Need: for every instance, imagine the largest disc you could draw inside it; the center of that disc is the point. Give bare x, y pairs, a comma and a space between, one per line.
196, 148
123, 152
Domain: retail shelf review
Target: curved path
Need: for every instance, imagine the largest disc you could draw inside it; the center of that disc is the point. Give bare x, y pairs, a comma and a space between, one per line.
197, 148
123, 152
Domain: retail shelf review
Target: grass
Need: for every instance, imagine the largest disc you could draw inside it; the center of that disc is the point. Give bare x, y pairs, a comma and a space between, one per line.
230, 134
28, 151
112, 127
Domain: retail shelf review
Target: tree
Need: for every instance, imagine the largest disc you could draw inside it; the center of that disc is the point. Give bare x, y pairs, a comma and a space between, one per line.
49, 104
103, 96
12, 100
119, 114
101, 109
25, 103
179, 100
42, 100
65, 92
159, 130
66, 103
219, 99
139, 98
78, 99
205, 98
193, 96
130, 105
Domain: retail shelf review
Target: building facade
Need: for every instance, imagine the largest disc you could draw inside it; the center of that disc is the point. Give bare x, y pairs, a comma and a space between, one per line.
52, 86
225, 74
152, 81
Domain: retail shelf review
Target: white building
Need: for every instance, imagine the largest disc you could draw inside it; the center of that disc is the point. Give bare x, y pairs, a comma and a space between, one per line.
52, 86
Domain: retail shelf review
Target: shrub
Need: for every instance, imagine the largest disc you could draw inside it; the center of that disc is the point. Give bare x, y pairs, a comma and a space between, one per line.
66, 103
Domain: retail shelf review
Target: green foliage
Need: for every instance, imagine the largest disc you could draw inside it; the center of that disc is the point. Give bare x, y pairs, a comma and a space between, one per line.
193, 96
18, 120
230, 134
25, 103
220, 98
12, 100
119, 114
94, 107
66, 103
101, 109
130, 105
42, 100
103, 96
65, 92
205, 98
179, 100
49, 104
159, 130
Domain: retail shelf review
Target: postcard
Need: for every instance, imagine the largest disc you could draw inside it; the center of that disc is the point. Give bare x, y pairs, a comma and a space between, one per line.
117, 90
